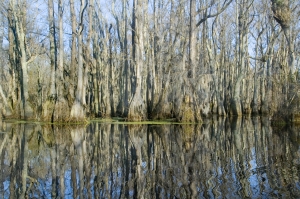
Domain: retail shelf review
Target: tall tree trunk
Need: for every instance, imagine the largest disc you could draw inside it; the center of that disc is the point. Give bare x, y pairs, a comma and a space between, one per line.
1, 36
126, 62
14, 82
17, 24
72, 67
242, 11
186, 109
60, 67
255, 101
214, 65
137, 108
192, 40
96, 75
110, 75
267, 82
48, 107
61, 110
78, 109
89, 58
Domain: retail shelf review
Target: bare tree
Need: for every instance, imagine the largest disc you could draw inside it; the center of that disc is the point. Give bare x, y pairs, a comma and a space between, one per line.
48, 107
17, 21
61, 110
283, 15
152, 60
137, 107
78, 109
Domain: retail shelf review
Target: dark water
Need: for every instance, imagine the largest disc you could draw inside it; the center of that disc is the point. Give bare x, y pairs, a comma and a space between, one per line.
239, 158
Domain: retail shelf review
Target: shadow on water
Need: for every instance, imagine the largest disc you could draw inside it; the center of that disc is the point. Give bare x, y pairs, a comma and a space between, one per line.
238, 158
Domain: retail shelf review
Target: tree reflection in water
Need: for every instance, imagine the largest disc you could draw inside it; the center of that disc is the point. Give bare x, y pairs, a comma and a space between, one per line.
224, 158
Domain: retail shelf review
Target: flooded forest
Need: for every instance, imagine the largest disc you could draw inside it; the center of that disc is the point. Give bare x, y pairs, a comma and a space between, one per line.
67, 60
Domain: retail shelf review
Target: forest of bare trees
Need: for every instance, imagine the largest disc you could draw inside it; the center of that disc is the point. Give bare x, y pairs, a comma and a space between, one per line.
64, 60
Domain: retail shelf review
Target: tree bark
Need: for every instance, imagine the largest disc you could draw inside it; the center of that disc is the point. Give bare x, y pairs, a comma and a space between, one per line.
72, 67
48, 107
192, 40
137, 108
61, 109
78, 109
17, 24
242, 12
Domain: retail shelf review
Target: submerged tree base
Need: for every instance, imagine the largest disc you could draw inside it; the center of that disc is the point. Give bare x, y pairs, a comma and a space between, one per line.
137, 110
61, 111
77, 112
48, 109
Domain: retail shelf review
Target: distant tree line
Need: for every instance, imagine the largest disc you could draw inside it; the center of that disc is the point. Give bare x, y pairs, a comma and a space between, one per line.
186, 59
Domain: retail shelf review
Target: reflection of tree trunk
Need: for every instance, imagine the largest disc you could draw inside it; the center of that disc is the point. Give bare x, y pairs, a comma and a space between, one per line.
55, 177
19, 162
73, 170
111, 160
61, 162
95, 157
13, 169
77, 135
236, 128
126, 164
88, 164
23, 160
2, 158
168, 161
136, 136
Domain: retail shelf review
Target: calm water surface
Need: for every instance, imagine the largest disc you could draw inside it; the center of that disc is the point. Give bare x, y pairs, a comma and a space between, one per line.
237, 158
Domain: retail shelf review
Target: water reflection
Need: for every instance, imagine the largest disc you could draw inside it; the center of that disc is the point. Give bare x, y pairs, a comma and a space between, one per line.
239, 158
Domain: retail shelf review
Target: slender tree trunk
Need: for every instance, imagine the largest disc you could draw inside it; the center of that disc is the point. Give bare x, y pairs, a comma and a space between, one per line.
14, 82
255, 105
242, 11
266, 83
192, 39
89, 58
60, 67
214, 65
96, 75
48, 107
126, 63
110, 75
1, 36
61, 110
72, 67
3, 105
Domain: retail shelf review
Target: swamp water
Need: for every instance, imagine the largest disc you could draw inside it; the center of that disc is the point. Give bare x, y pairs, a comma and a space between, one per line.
237, 158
